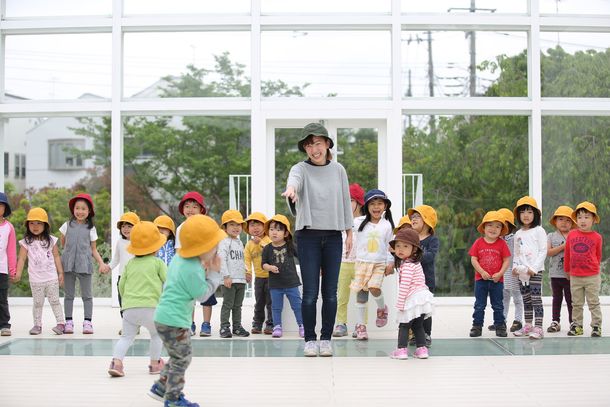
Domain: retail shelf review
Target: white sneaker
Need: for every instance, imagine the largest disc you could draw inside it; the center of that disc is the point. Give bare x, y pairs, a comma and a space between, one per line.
325, 348
311, 349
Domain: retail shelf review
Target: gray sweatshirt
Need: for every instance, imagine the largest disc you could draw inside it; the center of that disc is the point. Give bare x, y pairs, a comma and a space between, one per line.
232, 264
323, 196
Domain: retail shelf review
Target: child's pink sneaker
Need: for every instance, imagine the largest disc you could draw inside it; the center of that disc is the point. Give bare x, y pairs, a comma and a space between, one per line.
382, 317
524, 331
277, 331
116, 368
421, 353
87, 327
156, 367
69, 327
400, 353
536, 333
361, 334
59, 329
301, 331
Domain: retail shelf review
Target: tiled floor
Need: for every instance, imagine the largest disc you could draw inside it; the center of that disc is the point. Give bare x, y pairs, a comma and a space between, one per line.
557, 371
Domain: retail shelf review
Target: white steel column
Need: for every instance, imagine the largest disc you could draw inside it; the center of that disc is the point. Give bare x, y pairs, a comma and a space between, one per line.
2, 78
392, 181
116, 136
535, 120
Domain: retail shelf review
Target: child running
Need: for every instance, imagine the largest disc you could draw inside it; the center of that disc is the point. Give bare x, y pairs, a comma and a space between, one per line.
166, 226
278, 260
415, 302
45, 272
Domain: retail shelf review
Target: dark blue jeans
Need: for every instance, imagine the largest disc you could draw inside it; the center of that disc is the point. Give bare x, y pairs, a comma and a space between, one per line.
319, 253
482, 289
277, 303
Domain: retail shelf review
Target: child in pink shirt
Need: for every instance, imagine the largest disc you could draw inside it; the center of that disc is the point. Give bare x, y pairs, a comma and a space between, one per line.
8, 263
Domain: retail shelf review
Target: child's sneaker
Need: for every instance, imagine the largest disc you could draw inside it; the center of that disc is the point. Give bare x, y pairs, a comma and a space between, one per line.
311, 349
524, 331
421, 353
59, 329
575, 330
241, 332
501, 331
428, 341
400, 353
325, 348
156, 367
536, 333
340, 330
256, 330
596, 332
268, 329
87, 327
225, 332
116, 368
382, 317
69, 327
476, 331
516, 326
301, 331
36, 330
361, 334
181, 402
206, 329
554, 327
5, 332
156, 393
193, 328
491, 327
277, 331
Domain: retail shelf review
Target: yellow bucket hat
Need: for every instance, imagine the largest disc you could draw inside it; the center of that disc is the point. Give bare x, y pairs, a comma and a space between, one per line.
199, 234
145, 239
427, 213
508, 215
258, 216
279, 219
405, 220
128, 217
588, 206
232, 215
37, 214
493, 216
526, 200
563, 210
166, 222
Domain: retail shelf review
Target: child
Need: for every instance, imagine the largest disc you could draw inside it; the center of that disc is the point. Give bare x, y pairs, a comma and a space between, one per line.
582, 258
231, 252
423, 221
415, 302
166, 226
192, 203
511, 282
46, 274
490, 258
140, 287
187, 280
373, 261
8, 263
278, 260
404, 222
121, 256
78, 237
346, 272
255, 227
560, 283
528, 264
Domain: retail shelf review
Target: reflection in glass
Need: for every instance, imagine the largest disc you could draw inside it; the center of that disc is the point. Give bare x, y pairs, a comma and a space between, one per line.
456, 63
470, 165
328, 63
464, 6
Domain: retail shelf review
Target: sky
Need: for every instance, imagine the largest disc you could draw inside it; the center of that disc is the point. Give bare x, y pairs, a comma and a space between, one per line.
348, 63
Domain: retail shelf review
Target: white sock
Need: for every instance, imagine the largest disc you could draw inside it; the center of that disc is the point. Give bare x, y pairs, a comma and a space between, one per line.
380, 302
361, 311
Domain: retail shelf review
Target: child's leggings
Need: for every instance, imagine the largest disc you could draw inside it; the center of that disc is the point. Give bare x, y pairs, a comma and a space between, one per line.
532, 300
133, 318
561, 289
417, 325
517, 300
177, 342
50, 290
346, 275
277, 303
85, 282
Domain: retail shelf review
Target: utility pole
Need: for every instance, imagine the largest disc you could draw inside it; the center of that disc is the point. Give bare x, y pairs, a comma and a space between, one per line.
473, 56
409, 94
432, 121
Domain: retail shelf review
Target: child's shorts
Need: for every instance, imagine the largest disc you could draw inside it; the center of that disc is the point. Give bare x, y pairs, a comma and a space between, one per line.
210, 302
367, 275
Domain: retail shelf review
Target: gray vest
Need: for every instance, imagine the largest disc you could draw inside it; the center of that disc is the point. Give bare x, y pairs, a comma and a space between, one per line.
77, 257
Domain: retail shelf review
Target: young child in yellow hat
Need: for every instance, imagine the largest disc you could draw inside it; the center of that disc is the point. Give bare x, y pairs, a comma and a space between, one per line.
167, 227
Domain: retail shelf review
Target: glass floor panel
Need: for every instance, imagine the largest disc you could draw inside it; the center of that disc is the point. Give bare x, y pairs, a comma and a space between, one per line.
294, 348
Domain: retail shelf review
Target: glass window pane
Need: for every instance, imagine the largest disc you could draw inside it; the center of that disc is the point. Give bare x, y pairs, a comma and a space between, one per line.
58, 66
575, 7
357, 152
470, 165
45, 8
464, 6
323, 6
185, 6
438, 63
286, 155
575, 64
216, 64
326, 63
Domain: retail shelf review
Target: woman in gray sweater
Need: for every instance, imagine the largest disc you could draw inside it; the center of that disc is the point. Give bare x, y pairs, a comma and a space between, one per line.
318, 190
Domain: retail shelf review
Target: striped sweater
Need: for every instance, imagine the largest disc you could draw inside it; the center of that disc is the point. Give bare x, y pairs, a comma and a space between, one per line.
410, 280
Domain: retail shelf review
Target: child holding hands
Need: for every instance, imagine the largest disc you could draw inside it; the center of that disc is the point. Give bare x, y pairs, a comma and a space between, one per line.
8, 263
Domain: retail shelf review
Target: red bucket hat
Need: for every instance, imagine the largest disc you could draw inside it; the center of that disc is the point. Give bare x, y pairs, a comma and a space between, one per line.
356, 192
85, 197
193, 196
